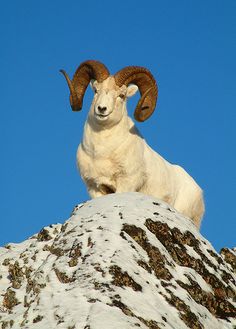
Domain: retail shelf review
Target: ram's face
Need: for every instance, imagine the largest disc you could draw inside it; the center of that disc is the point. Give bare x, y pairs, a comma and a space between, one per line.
109, 101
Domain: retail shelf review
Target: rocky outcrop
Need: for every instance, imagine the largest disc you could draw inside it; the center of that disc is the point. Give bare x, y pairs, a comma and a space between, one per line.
120, 261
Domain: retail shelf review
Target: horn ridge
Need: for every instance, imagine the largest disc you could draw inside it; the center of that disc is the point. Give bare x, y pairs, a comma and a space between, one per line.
88, 70
146, 83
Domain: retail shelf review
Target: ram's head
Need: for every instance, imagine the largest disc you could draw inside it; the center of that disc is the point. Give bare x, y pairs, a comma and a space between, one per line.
111, 91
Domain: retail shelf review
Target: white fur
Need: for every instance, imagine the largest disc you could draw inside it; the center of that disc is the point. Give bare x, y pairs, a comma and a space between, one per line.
114, 157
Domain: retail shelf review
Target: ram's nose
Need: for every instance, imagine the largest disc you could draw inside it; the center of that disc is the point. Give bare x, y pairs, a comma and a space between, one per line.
102, 109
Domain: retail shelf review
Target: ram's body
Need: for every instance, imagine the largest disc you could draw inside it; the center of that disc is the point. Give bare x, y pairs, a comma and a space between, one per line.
119, 160
113, 156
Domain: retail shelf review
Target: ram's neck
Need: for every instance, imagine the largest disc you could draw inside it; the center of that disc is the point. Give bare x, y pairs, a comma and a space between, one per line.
104, 140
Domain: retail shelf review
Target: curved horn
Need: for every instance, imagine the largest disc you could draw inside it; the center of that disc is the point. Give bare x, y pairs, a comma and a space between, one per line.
85, 72
146, 83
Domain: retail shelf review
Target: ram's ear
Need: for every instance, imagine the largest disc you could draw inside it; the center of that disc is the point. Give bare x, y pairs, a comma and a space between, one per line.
93, 84
131, 90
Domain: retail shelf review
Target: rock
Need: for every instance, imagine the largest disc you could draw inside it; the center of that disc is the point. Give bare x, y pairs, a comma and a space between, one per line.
120, 261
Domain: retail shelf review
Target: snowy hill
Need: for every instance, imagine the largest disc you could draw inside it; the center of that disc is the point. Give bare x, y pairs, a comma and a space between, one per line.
120, 261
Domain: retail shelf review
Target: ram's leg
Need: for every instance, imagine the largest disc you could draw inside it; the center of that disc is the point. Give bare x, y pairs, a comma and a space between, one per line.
192, 208
94, 191
100, 190
199, 209
127, 185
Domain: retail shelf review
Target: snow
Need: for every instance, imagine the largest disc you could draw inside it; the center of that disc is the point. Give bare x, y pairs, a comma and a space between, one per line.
85, 299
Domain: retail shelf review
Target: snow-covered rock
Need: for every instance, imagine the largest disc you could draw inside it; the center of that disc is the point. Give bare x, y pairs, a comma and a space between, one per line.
120, 261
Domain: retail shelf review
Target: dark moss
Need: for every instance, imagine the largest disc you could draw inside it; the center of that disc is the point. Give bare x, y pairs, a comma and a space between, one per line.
123, 279
44, 235
9, 299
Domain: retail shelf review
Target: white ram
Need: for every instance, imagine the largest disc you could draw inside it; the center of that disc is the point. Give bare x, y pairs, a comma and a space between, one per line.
113, 157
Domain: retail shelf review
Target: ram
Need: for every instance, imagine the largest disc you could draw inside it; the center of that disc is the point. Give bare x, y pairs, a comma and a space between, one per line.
113, 157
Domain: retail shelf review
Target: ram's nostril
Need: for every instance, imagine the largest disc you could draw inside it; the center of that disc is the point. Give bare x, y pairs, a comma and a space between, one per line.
102, 109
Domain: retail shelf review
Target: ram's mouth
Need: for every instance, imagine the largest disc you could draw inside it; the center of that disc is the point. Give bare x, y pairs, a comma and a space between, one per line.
102, 115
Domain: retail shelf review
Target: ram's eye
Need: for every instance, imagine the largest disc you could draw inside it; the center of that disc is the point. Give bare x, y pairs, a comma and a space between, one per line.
122, 96
95, 90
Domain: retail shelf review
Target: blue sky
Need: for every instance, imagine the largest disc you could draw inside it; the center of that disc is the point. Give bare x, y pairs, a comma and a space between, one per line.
189, 46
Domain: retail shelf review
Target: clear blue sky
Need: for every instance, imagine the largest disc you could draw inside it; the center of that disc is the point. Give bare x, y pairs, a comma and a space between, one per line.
189, 46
